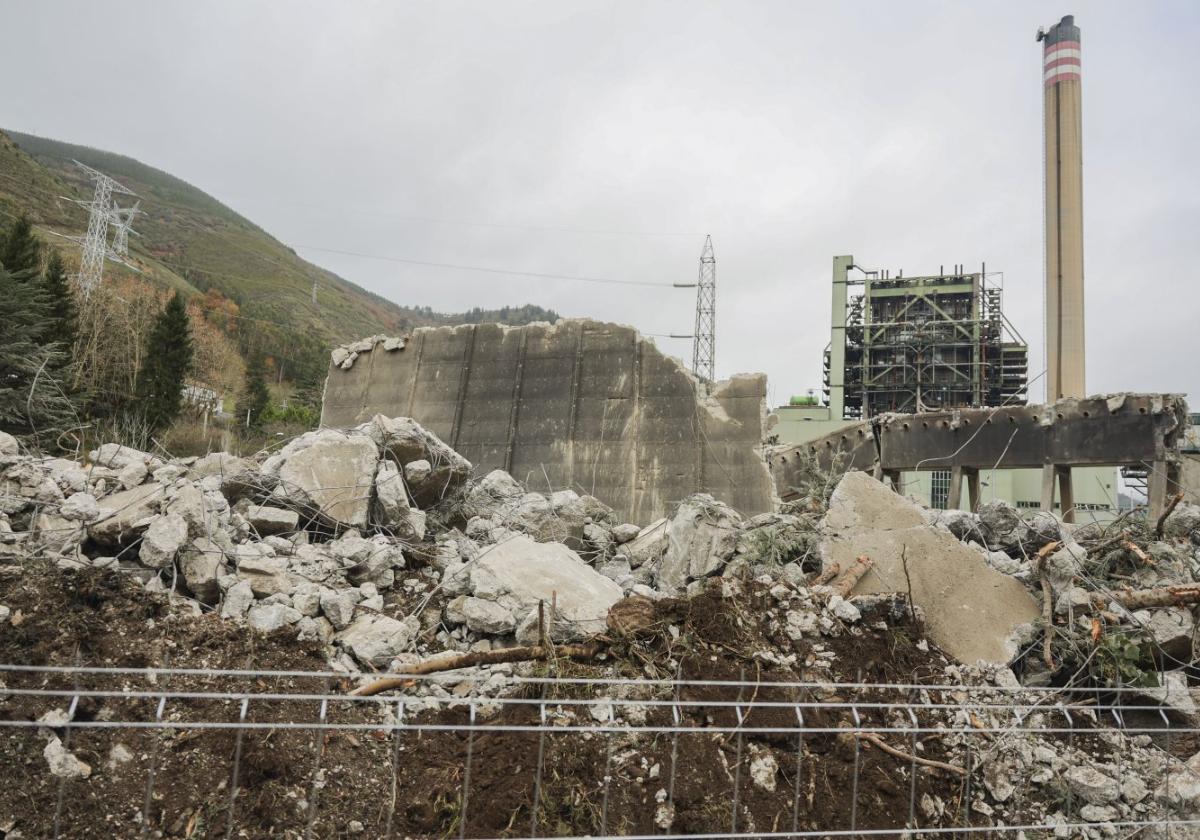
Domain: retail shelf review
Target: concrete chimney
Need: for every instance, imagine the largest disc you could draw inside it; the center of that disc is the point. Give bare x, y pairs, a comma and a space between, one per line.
1064, 211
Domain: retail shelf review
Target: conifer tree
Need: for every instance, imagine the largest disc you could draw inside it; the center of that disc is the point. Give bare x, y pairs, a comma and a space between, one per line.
255, 397
167, 362
20, 251
62, 324
33, 406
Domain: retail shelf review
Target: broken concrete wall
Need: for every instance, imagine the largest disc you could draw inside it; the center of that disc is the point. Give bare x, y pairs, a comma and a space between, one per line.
579, 404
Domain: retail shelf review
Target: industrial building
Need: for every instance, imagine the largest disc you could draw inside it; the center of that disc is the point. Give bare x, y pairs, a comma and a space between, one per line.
936, 343
929, 343
919, 343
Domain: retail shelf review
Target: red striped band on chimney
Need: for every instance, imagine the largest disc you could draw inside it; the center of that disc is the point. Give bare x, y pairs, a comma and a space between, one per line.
1061, 62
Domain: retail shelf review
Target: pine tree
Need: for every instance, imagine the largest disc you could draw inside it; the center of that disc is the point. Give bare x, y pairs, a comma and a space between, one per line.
33, 406
20, 251
63, 324
255, 397
166, 365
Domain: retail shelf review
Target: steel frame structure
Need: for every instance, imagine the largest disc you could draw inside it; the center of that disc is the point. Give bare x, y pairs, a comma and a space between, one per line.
926, 343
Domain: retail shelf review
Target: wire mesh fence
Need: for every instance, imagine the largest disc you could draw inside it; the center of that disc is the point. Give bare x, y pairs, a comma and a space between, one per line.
128, 752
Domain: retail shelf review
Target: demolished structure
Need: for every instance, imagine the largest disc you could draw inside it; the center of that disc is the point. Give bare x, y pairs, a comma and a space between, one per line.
579, 404
387, 557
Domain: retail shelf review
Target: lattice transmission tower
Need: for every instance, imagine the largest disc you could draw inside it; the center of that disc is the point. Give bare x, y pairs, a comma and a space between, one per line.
122, 219
102, 211
705, 335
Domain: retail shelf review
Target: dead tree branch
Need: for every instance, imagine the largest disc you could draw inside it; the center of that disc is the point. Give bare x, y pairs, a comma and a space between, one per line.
853, 575
826, 575
585, 652
1162, 520
874, 739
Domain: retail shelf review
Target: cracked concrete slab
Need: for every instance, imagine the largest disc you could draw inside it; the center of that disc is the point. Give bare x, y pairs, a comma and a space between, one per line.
971, 610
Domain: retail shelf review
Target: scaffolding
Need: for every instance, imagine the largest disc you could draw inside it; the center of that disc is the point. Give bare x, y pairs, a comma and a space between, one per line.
925, 344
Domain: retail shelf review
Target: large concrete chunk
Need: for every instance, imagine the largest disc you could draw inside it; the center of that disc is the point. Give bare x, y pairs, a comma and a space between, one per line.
971, 609
579, 404
701, 536
124, 514
405, 441
332, 472
519, 572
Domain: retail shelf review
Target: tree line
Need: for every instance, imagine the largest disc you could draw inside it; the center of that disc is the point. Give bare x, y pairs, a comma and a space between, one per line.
118, 361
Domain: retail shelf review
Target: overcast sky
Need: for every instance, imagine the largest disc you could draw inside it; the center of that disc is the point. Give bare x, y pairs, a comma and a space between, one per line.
606, 139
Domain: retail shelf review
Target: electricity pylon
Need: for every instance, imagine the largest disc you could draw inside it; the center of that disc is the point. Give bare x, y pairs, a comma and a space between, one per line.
101, 213
704, 343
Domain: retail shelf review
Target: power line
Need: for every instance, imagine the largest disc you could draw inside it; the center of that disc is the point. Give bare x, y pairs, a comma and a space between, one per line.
486, 269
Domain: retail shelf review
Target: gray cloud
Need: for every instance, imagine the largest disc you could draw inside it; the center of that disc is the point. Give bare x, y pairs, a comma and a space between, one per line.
607, 139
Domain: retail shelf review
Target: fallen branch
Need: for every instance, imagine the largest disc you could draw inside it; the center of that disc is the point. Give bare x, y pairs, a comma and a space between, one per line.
1130, 545
1160, 596
583, 652
827, 575
873, 738
1047, 602
853, 575
1162, 520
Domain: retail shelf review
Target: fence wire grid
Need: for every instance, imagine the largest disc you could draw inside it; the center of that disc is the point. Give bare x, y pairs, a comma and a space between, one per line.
189, 752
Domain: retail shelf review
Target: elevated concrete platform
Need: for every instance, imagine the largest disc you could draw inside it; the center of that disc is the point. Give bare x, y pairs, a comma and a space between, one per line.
1110, 430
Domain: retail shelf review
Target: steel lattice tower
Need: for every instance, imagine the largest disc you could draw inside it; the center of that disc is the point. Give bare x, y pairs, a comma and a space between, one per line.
101, 213
705, 334
122, 219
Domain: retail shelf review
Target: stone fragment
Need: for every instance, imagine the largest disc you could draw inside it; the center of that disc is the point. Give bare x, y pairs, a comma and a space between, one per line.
132, 474
329, 471
267, 618
763, 767
519, 572
406, 440
701, 537
649, 546
81, 507
124, 514
63, 763
493, 497
306, 598
1090, 785
624, 533
338, 607
417, 472
266, 573
237, 600
162, 541
117, 457
272, 520
8, 444
392, 509
376, 639
481, 616
1171, 629
971, 610
202, 562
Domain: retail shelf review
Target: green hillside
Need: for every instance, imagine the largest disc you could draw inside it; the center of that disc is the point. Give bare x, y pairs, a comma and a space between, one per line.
191, 241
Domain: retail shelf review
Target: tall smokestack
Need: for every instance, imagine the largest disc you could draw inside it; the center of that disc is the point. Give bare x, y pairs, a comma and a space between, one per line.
1064, 211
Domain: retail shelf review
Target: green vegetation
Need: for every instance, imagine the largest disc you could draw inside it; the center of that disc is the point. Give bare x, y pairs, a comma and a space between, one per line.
166, 366
255, 398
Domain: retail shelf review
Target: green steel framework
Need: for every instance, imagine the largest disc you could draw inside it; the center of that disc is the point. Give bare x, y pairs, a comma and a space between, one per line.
910, 344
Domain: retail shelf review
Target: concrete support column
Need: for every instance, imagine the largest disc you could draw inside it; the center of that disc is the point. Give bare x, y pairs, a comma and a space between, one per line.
1157, 489
1066, 494
1048, 487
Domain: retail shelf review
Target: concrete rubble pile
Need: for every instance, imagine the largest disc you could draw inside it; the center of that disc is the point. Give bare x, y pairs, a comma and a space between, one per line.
379, 543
